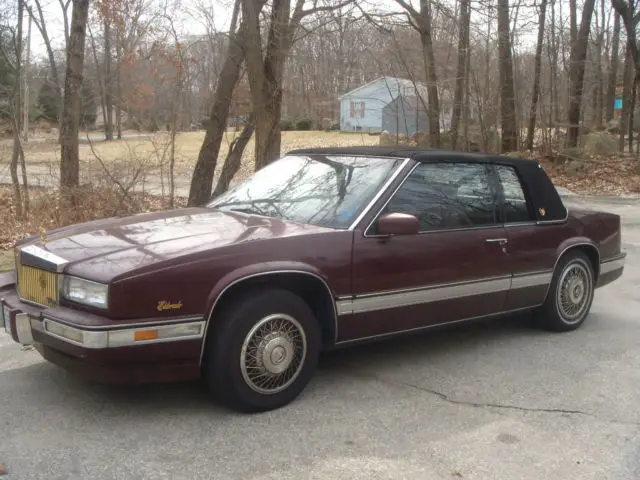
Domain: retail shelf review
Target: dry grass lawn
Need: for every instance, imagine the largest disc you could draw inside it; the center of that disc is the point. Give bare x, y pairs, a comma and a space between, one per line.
153, 148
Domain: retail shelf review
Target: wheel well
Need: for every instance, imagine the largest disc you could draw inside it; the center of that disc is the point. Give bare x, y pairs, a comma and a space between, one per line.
592, 254
310, 288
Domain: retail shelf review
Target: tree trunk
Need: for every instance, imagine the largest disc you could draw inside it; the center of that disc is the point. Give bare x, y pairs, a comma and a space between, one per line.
626, 96
433, 103
573, 22
536, 76
576, 74
467, 103
598, 91
632, 110
108, 97
268, 138
461, 74
613, 70
101, 86
41, 25
202, 179
234, 158
265, 71
118, 105
507, 94
69, 160
16, 113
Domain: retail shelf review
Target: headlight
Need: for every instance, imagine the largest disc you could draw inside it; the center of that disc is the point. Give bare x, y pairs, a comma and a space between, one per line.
85, 292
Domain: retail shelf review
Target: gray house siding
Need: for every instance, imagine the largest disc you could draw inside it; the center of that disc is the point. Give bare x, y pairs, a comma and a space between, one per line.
362, 109
405, 115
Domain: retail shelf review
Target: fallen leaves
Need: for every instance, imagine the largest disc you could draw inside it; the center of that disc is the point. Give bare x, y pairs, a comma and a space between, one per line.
596, 175
46, 214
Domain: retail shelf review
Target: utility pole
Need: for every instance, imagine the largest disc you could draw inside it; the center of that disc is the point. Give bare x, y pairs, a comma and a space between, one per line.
25, 123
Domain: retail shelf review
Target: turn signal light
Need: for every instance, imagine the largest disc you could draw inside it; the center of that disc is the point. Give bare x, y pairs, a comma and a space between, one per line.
141, 335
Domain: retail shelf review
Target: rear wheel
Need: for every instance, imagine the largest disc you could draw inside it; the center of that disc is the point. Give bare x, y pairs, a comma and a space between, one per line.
263, 351
570, 295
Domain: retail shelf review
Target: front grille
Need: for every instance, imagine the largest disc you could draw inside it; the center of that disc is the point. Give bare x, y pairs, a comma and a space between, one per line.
37, 286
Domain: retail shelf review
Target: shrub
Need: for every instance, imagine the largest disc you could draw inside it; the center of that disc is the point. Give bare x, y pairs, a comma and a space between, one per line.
304, 124
286, 125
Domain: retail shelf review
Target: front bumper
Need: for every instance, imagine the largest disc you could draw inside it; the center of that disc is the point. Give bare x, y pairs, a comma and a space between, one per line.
102, 349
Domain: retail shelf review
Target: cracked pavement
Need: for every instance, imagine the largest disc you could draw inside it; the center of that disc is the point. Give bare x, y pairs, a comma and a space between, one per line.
494, 400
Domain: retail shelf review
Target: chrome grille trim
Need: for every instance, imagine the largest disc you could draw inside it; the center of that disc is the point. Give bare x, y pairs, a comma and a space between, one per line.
38, 275
36, 286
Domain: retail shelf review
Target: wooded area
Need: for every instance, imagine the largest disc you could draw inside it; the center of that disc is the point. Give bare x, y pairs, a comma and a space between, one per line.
547, 76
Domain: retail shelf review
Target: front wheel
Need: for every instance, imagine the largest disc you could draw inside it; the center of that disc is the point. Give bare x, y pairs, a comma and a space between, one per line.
263, 351
570, 295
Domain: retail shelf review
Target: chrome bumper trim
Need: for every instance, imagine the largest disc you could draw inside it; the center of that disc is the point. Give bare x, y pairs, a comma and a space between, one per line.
119, 337
612, 265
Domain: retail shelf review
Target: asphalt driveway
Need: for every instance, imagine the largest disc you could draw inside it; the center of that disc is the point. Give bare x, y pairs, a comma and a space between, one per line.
495, 400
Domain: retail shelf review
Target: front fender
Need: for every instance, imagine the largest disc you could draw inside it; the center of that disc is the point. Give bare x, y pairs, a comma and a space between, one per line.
255, 270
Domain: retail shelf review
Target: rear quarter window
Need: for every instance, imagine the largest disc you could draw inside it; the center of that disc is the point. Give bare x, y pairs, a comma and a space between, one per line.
516, 208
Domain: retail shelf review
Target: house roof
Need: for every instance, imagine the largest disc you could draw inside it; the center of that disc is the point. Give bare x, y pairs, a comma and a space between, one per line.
394, 83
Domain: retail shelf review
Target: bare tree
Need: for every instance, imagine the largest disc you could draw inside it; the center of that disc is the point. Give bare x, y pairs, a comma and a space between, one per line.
265, 65
462, 74
613, 69
576, 85
41, 24
421, 21
202, 179
16, 111
70, 161
234, 157
630, 19
507, 94
536, 76
628, 78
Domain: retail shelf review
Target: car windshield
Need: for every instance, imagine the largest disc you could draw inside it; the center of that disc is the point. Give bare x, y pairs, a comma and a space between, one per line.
323, 190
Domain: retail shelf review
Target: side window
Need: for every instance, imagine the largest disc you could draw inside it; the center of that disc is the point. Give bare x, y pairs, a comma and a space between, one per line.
446, 196
515, 202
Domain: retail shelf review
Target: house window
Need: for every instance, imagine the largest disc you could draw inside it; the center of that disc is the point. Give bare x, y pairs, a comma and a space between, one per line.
357, 110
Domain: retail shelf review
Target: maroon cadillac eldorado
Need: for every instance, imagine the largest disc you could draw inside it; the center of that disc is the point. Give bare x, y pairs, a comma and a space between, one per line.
321, 249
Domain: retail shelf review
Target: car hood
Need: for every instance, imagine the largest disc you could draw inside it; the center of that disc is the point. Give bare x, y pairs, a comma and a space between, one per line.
118, 245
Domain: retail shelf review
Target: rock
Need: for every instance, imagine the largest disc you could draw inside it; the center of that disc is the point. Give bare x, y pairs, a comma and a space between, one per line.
613, 127
599, 143
571, 154
54, 132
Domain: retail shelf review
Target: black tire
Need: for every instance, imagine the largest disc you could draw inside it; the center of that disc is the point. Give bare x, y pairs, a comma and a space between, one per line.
554, 314
226, 378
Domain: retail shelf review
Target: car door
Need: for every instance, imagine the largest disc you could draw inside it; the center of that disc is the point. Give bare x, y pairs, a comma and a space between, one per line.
532, 246
453, 269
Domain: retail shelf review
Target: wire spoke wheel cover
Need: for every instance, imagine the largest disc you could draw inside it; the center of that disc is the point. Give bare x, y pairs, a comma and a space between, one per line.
574, 292
273, 354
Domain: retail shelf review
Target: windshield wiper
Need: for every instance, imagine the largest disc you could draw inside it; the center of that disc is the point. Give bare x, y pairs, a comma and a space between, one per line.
249, 210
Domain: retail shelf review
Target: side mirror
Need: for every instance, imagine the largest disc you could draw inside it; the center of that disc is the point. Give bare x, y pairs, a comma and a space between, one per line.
398, 224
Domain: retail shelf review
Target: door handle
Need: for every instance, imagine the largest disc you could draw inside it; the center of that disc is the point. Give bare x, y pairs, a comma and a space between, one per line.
499, 241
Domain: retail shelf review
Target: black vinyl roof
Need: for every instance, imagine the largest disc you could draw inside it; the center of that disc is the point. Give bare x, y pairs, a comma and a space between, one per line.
416, 154
542, 192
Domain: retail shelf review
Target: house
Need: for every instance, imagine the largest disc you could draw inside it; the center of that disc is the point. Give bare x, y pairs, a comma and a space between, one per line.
397, 105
